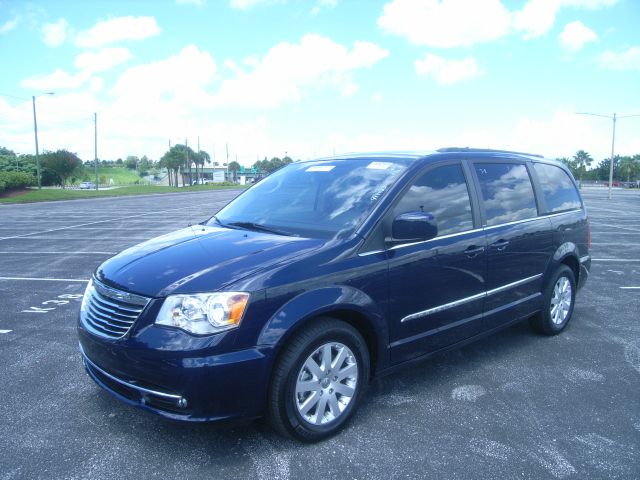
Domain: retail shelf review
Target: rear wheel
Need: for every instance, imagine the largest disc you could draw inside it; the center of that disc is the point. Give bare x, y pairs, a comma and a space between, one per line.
559, 298
318, 380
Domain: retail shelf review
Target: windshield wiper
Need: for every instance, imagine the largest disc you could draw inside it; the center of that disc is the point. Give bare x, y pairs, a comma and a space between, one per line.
260, 227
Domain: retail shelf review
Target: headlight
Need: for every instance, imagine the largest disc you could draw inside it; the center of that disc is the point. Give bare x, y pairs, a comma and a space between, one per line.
203, 313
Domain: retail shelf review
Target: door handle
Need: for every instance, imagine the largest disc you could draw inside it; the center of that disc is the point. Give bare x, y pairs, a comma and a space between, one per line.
500, 244
473, 251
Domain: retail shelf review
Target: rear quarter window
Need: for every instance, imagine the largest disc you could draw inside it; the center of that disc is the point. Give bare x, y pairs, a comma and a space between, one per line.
558, 190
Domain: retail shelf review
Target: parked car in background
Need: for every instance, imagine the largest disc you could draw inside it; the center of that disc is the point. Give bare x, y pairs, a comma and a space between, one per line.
87, 186
331, 272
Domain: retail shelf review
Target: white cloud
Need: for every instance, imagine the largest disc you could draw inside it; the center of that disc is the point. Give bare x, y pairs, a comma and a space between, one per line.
146, 87
9, 25
103, 59
589, 4
54, 34
323, 4
447, 23
625, 60
117, 29
536, 18
58, 80
249, 4
288, 70
445, 71
576, 35
463, 23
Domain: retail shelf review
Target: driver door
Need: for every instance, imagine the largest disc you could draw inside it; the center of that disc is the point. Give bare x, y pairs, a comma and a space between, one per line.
436, 287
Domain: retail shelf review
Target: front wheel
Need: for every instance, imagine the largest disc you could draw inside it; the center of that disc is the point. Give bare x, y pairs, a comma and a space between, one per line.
318, 380
559, 298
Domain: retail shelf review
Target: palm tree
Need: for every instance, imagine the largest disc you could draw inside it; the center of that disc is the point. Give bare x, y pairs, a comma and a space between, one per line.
583, 159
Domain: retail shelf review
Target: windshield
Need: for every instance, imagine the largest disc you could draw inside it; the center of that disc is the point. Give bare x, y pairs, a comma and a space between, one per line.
314, 199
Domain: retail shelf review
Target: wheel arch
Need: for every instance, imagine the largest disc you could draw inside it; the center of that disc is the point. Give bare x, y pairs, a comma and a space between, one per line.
566, 254
343, 303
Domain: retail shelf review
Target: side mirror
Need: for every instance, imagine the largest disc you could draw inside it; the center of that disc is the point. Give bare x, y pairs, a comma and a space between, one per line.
413, 227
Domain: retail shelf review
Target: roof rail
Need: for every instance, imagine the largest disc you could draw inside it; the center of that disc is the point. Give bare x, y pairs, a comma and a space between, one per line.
483, 150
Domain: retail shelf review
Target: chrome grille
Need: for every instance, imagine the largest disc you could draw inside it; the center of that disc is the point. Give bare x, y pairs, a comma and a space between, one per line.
109, 312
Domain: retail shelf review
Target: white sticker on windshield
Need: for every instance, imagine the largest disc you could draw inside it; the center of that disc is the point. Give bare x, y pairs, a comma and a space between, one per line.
321, 168
379, 165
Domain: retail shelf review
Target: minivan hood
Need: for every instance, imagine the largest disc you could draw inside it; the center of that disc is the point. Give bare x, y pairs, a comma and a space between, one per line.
198, 259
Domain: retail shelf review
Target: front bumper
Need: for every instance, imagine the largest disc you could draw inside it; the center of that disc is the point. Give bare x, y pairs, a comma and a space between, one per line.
181, 385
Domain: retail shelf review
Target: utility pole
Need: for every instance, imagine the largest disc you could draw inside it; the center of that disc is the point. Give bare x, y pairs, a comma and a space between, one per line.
186, 144
614, 118
226, 174
95, 144
35, 129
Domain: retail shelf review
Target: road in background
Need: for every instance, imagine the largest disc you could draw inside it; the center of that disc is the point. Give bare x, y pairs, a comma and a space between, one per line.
515, 405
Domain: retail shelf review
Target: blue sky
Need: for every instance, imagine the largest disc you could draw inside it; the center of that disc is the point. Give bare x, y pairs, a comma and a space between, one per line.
310, 78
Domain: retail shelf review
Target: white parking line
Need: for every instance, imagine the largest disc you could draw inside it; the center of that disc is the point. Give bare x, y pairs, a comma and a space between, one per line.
615, 244
102, 238
92, 223
630, 288
57, 253
6, 331
32, 279
617, 226
615, 260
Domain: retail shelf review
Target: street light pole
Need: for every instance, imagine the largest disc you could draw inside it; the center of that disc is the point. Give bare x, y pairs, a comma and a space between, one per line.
95, 144
35, 130
613, 146
614, 118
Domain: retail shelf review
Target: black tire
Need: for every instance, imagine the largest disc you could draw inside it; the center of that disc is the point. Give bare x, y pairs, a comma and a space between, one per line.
546, 321
283, 403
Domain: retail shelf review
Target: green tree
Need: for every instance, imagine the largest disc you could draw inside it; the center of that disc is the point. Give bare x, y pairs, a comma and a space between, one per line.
629, 167
63, 163
583, 160
603, 169
234, 167
144, 165
131, 162
200, 158
175, 160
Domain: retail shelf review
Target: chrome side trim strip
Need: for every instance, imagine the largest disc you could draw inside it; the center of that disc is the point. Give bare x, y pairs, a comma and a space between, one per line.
472, 298
512, 304
514, 284
515, 222
451, 235
525, 220
168, 396
584, 259
372, 252
446, 306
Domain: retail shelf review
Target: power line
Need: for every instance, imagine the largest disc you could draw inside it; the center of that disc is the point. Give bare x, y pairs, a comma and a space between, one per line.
13, 96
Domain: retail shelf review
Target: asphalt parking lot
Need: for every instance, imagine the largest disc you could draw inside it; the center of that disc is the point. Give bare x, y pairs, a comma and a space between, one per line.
515, 405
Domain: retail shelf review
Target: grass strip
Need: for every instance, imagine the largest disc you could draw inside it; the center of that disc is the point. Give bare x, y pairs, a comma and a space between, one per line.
50, 194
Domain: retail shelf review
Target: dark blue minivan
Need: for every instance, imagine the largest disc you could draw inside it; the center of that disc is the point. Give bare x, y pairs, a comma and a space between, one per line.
328, 273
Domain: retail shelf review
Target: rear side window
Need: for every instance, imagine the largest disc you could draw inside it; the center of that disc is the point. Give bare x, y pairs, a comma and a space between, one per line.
559, 191
506, 192
443, 193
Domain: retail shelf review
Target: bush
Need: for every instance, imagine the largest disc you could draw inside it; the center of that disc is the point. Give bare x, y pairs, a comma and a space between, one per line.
13, 180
